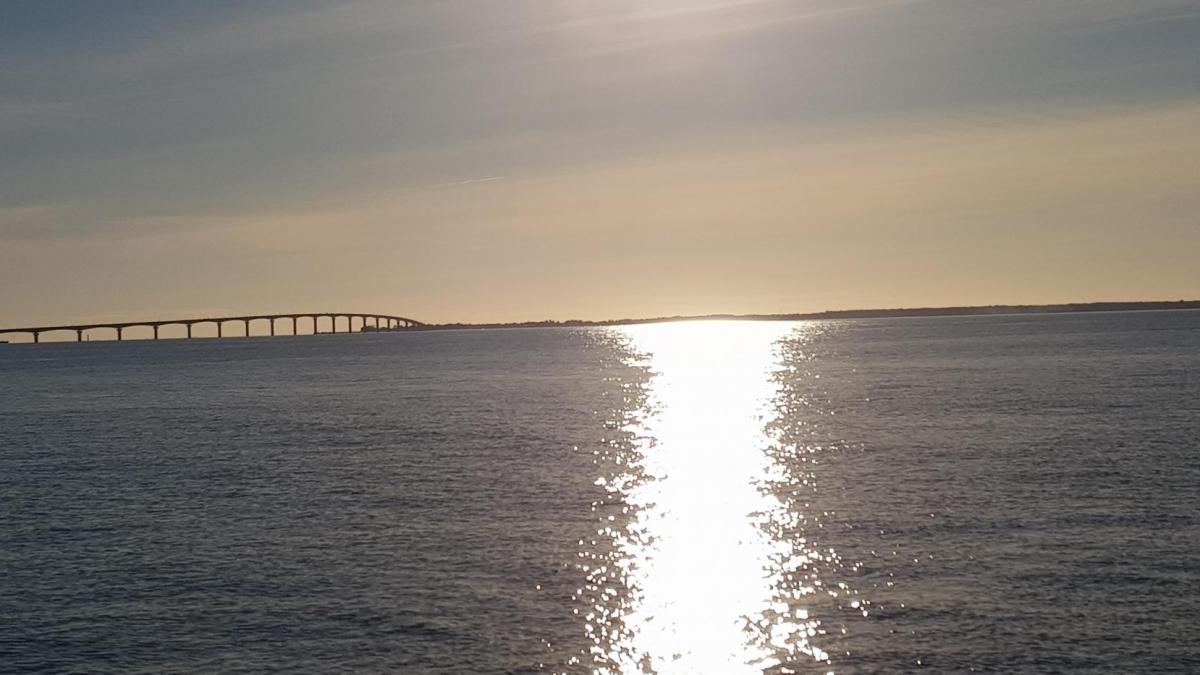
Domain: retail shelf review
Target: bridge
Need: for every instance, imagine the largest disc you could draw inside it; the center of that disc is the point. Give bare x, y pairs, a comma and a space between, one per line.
378, 322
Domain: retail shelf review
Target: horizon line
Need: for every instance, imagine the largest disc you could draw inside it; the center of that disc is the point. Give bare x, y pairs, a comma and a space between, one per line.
955, 310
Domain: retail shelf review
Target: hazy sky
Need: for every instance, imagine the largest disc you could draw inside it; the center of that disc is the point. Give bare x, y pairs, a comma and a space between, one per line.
510, 160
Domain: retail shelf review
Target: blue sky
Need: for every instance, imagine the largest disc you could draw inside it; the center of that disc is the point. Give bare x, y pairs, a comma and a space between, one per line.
518, 160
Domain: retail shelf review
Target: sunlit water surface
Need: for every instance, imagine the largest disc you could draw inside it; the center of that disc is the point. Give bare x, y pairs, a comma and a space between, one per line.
701, 577
992, 494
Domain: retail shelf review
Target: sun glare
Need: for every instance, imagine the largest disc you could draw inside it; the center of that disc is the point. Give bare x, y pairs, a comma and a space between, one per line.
703, 569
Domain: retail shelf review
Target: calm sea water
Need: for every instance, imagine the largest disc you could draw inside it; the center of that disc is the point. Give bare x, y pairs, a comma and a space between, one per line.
999, 494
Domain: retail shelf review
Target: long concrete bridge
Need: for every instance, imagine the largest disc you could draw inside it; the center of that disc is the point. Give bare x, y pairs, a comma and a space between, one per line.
366, 322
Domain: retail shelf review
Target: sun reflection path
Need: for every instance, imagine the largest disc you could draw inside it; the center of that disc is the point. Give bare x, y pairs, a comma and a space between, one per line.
701, 577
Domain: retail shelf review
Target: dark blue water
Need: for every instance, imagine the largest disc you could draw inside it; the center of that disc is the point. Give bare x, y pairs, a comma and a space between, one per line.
999, 494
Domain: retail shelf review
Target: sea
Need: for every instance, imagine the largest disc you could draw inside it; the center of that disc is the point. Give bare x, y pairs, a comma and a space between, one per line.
990, 494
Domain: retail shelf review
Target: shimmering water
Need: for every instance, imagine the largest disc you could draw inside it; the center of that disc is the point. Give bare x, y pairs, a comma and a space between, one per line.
1000, 494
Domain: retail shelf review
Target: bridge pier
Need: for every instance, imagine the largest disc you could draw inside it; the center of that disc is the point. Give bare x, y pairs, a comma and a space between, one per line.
79, 335
220, 329
120, 330
37, 337
155, 332
189, 331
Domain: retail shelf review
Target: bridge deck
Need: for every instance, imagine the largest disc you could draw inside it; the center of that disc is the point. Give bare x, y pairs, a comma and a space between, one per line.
380, 322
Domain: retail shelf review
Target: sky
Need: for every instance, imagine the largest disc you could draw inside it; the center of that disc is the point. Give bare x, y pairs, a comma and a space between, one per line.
554, 159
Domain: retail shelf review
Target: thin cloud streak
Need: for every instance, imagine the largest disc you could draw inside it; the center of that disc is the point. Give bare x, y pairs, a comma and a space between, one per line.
585, 159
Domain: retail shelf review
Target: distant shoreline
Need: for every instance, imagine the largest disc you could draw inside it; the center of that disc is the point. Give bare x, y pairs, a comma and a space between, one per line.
981, 310
907, 312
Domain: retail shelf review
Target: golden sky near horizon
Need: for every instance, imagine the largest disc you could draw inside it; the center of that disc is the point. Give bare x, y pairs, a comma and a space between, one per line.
463, 162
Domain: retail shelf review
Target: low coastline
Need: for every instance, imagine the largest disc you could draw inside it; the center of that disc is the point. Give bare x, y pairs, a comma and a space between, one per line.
913, 312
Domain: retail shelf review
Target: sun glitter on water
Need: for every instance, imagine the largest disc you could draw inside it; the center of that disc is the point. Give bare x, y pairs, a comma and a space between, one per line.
700, 578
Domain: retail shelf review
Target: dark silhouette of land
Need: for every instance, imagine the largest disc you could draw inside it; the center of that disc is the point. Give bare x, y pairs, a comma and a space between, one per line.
854, 314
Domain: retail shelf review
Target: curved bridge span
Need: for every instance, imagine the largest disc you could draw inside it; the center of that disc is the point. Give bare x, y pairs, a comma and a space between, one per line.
367, 322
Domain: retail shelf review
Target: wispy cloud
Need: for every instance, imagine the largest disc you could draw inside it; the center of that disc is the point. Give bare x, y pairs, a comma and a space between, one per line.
530, 140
